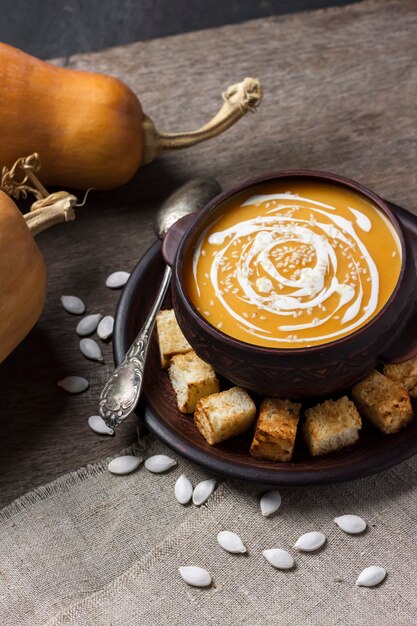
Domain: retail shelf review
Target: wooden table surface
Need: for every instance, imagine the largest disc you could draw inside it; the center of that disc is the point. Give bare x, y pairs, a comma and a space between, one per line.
340, 94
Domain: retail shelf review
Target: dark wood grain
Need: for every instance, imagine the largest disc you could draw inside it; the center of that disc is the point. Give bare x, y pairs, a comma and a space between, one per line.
340, 93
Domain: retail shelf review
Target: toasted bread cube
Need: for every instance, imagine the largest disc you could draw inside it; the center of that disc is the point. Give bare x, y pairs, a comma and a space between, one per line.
224, 415
191, 379
405, 374
276, 430
170, 338
331, 425
384, 402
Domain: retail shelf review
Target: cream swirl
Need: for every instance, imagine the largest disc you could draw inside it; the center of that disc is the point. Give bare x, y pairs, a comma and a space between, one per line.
291, 267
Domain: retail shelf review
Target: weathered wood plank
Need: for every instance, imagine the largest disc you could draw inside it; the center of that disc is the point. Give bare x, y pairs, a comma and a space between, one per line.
340, 93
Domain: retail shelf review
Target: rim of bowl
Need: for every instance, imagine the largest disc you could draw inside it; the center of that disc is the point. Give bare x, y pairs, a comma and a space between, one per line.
269, 177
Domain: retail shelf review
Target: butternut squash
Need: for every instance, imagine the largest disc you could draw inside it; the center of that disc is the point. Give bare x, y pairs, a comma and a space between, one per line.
22, 268
22, 277
88, 128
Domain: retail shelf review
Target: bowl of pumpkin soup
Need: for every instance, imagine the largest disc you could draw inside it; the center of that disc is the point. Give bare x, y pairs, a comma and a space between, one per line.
295, 284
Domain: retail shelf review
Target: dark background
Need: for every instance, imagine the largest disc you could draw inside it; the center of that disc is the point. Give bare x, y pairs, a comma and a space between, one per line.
57, 28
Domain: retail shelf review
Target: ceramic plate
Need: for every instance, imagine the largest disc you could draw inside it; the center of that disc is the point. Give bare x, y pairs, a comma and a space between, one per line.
374, 452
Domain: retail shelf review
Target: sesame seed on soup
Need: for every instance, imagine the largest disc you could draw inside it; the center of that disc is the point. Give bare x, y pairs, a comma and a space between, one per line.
294, 264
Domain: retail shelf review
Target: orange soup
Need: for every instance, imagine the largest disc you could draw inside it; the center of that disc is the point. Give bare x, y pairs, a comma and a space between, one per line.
294, 264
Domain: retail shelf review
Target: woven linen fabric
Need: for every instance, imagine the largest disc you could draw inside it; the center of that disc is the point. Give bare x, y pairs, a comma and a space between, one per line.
94, 548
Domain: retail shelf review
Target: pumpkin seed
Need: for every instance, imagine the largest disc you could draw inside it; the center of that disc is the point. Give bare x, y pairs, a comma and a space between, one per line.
231, 542
309, 542
281, 559
159, 463
371, 576
352, 524
73, 305
124, 464
98, 425
195, 576
105, 328
183, 489
203, 490
117, 280
88, 324
270, 502
73, 384
91, 350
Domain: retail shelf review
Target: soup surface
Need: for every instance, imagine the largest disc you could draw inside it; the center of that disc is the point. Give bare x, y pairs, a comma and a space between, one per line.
294, 264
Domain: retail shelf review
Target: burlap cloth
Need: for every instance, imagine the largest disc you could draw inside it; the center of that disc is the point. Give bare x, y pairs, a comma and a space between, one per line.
93, 548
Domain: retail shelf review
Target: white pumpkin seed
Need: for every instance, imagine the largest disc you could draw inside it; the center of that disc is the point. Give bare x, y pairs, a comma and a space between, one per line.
88, 324
183, 489
73, 384
309, 542
203, 490
98, 425
195, 576
352, 524
91, 350
159, 463
281, 559
270, 502
124, 464
117, 280
231, 542
73, 304
371, 576
105, 328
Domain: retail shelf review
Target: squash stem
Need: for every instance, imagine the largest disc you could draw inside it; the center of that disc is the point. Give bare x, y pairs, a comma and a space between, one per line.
238, 100
35, 181
47, 216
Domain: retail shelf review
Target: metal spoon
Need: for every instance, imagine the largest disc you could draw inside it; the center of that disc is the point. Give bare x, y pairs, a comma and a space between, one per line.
121, 392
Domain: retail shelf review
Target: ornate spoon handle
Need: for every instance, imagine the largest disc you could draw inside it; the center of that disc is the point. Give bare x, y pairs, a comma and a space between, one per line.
121, 392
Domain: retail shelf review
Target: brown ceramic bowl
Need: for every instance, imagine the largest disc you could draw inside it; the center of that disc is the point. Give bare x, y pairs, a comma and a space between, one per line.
299, 372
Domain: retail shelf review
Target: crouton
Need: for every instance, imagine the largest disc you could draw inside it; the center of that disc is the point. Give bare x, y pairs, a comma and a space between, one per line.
170, 338
224, 415
384, 402
331, 425
405, 374
191, 379
275, 430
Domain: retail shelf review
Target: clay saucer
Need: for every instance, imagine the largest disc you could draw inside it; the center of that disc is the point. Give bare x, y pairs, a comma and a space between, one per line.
373, 453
